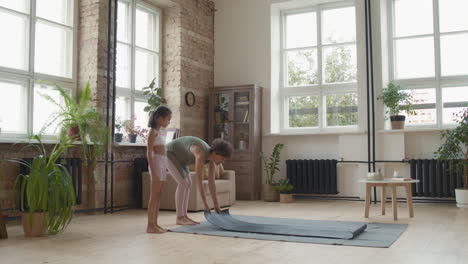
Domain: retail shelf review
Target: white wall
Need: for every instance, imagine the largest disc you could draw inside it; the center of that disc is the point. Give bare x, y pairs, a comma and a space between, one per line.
242, 56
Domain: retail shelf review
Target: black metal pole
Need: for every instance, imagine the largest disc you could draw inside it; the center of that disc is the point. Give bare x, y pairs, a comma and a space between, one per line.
113, 104
368, 93
107, 102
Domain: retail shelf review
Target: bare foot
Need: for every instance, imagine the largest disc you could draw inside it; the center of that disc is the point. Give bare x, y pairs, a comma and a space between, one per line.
195, 222
155, 230
183, 221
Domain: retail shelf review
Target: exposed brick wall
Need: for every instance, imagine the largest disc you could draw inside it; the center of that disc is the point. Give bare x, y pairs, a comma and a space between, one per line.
188, 59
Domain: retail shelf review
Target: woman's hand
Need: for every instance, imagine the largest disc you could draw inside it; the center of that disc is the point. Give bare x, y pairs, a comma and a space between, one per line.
217, 209
207, 208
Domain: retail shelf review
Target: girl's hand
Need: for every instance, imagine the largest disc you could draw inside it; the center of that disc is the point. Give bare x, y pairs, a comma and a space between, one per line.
207, 208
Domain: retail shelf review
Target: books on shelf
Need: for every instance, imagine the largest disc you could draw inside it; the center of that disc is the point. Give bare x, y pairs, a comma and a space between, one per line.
242, 103
401, 179
242, 98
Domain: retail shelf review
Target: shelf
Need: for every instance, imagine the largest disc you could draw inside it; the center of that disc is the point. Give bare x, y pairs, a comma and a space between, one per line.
241, 123
242, 104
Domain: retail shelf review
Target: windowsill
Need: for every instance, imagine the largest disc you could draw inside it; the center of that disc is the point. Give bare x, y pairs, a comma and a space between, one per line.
317, 133
128, 144
415, 130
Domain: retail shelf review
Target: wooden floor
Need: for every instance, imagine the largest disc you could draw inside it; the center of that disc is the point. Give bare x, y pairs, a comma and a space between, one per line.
438, 234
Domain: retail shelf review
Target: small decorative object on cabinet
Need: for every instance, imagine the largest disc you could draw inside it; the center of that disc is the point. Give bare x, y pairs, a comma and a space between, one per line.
235, 115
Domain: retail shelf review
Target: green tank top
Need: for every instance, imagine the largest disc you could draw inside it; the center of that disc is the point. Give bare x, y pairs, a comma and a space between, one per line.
180, 149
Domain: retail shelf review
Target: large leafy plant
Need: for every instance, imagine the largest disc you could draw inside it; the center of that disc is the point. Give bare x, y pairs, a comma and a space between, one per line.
82, 115
155, 96
455, 146
397, 100
271, 164
48, 187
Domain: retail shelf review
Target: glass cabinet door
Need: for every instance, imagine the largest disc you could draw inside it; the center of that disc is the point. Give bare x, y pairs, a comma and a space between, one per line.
222, 114
242, 113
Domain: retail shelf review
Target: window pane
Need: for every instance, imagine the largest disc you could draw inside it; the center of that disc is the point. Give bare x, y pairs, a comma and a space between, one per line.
145, 69
123, 22
141, 117
123, 66
44, 110
302, 67
342, 109
452, 15
18, 5
14, 48
53, 51
122, 105
339, 25
414, 58
303, 111
146, 29
424, 101
413, 17
340, 64
60, 11
454, 54
13, 105
455, 99
301, 30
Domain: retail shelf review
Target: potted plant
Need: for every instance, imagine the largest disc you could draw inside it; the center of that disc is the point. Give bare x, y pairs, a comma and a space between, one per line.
134, 131
80, 120
118, 127
155, 96
455, 149
397, 100
47, 192
271, 166
285, 188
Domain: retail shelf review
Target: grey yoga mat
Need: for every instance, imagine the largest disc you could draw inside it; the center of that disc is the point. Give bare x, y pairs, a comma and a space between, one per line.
225, 221
375, 235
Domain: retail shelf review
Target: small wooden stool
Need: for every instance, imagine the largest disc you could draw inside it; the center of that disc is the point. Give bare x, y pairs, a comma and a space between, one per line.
3, 231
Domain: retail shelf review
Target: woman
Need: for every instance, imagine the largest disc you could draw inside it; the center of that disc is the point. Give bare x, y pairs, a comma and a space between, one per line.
186, 151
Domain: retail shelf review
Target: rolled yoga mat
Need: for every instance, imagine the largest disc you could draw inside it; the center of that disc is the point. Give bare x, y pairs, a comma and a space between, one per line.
225, 221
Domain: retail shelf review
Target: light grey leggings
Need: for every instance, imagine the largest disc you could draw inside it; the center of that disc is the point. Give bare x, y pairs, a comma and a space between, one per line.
182, 193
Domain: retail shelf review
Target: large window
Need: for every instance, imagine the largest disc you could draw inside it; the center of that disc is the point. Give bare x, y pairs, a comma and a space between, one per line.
428, 48
319, 68
38, 43
138, 58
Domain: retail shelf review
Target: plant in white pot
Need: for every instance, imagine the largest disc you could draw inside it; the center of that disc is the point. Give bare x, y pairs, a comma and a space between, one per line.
285, 189
397, 100
271, 166
455, 149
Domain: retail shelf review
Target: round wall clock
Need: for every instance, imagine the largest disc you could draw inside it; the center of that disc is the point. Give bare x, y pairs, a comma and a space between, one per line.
189, 98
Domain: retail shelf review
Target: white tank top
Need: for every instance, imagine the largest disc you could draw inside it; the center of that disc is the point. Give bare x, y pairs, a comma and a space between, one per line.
160, 139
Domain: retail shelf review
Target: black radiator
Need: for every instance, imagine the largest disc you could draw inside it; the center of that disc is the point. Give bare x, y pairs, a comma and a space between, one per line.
74, 168
436, 178
312, 176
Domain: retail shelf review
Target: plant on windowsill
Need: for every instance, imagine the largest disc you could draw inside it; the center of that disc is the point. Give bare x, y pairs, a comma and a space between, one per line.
285, 188
397, 100
79, 120
47, 194
154, 95
271, 166
118, 135
134, 131
455, 150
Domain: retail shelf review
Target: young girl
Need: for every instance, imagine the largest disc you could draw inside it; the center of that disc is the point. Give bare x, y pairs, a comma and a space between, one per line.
157, 164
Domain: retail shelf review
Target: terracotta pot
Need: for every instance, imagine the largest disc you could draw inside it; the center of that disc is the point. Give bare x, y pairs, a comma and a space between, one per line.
74, 132
37, 228
286, 198
398, 121
270, 194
